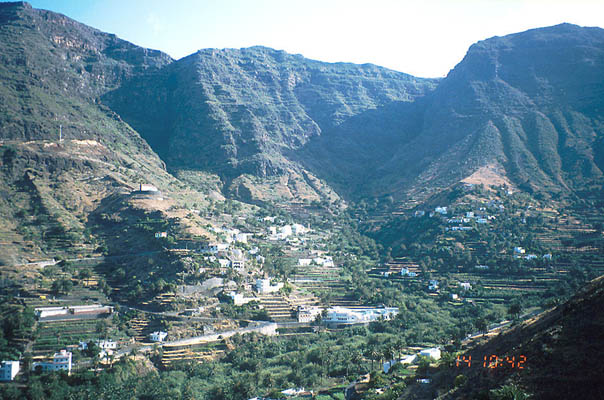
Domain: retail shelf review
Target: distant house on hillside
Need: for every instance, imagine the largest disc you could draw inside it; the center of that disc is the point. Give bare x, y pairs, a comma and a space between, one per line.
264, 286
158, 336
147, 191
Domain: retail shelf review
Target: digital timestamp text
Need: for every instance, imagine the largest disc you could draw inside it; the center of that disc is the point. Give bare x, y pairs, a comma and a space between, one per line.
491, 361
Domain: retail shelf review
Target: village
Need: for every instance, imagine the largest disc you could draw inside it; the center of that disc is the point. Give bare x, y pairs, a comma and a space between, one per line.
270, 275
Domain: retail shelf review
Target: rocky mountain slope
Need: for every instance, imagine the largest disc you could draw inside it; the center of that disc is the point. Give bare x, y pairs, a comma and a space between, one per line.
248, 113
559, 352
52, 71
528, 105
524, 109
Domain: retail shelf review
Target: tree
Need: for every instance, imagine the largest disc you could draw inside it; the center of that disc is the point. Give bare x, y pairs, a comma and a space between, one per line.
62, 286
481, 325
514, 310
85, 275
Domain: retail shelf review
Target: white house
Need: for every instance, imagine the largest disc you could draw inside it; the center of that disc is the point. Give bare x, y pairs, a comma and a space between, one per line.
264, 286
286, 231
61, 362
239, 299
224, 262
8, 370
107, 344
242, 237
304, 262
158, 336
102, 344
465, 285
326, 261
159, 235
298, 229
143, 187
485, 267
519, 250
433, 353
441, 210
308, 314
216, 247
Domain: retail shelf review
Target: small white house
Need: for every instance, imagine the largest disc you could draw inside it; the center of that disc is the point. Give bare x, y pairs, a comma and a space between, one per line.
8, 370
159, 235
441, 210
107, 344
519, 250
304, 262
264, 286
308, 314
433, 353
158, 336
465, 285
298, 229
239, 299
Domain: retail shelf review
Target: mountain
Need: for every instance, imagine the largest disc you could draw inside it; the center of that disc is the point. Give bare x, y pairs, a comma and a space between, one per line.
263, 125
52, 72
524, 110
248, 113
526, 107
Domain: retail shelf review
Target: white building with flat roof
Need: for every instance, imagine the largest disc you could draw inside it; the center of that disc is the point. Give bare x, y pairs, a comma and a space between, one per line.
8, 370
61, 361
433, 353
351, 316
264, 286
158, 336
308, 314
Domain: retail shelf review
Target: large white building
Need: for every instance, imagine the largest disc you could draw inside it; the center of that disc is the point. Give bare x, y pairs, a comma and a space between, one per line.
350, 316
264, 286
61, 361
8, 370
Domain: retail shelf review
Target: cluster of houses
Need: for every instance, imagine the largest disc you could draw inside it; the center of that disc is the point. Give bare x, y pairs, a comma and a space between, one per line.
324, 261
520, 253
286, 231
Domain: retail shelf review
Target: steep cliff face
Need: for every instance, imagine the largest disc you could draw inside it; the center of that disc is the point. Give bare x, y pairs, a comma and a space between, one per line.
526, 107
250, 111
529, 104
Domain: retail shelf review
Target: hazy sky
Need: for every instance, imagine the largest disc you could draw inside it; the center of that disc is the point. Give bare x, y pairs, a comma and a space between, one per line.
421, 37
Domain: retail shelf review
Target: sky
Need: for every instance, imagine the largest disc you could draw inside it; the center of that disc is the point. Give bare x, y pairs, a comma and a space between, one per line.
425, 38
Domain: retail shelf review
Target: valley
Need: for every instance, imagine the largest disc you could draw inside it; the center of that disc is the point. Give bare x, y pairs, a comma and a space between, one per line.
248, 223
